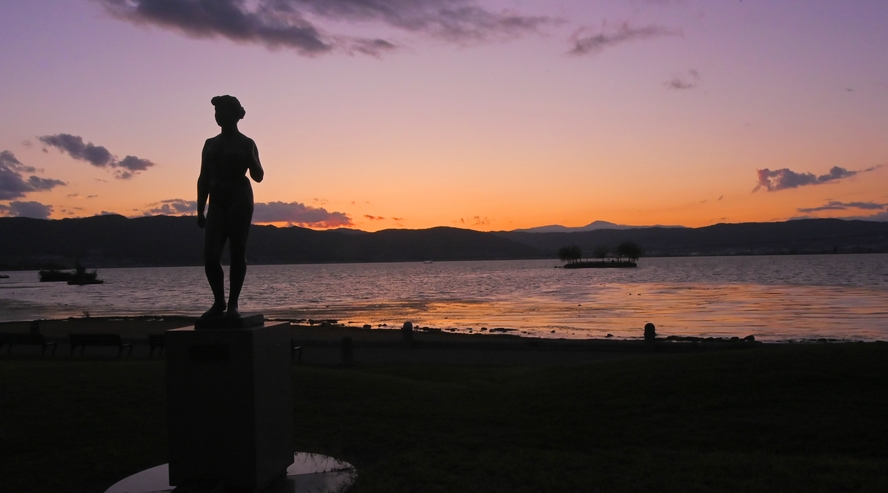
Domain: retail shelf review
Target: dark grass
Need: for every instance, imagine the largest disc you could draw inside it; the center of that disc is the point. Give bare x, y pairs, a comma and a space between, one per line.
777, 418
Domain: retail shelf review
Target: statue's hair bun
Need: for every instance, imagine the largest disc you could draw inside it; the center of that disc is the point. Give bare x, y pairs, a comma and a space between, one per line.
230, 103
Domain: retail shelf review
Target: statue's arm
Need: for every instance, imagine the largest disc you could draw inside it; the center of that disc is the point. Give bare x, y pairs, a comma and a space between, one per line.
256, 171
203, 185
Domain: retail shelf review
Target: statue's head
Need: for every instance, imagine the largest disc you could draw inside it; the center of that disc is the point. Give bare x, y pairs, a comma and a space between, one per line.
228, 107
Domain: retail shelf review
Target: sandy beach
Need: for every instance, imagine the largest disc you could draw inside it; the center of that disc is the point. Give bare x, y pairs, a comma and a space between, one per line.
322, 344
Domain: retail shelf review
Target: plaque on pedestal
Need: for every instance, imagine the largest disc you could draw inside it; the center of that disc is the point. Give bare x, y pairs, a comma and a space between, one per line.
242, 322
230, 405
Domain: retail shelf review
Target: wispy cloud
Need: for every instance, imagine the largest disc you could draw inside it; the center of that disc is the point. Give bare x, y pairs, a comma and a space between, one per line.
297, 214
879, 217
172, 207
8, 159
835, 205
784, 178
292, 213
293, 23
585, 43
373, 218
96, 155
681, 82
26, 209
477, 221
14, 185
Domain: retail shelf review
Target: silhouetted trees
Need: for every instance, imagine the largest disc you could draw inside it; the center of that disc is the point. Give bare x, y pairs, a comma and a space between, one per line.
626, 250
629, 250
570, 254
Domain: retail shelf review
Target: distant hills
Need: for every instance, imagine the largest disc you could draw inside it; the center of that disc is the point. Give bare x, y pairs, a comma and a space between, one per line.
557, 228
804, 236
116, 241
112, 240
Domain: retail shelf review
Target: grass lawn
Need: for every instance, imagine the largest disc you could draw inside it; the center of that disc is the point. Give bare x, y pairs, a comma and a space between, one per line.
801, 418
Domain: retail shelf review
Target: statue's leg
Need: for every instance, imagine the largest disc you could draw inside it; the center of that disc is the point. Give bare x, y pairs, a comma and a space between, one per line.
240, 229
214, 241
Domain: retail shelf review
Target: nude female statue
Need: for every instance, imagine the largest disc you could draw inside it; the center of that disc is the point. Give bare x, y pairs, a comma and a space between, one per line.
224, 163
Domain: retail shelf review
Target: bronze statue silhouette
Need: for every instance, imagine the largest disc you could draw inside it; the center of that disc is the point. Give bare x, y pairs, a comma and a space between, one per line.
223, 167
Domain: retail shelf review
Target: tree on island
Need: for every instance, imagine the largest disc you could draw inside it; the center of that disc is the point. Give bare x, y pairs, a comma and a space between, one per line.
600, 252
570, 254
629, 250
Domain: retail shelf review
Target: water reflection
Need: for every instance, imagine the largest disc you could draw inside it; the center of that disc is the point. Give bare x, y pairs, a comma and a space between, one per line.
773, 298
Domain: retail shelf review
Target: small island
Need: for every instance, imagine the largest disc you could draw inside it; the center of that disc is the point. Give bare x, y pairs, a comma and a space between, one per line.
626, 255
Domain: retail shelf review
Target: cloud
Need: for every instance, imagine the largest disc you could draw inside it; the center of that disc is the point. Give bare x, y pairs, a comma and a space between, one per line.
297, 214
594, 43
74, 146
681, 82
172, 207
8, 159
98, 156
784, 178
26, 209
134, 163
678, 83
880, 217
480, 221
286, 24
476, 221
834, 205
13, 184
374, 218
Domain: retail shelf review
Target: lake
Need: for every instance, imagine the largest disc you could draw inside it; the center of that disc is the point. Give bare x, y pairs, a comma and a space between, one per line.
774, 298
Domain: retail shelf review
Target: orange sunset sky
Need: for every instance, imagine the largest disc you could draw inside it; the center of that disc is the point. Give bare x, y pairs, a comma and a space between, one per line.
488, 115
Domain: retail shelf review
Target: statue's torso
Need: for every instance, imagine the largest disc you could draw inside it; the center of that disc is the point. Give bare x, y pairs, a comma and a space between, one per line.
229, 158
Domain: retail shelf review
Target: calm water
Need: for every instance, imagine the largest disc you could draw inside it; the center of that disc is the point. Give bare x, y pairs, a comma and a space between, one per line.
774, 298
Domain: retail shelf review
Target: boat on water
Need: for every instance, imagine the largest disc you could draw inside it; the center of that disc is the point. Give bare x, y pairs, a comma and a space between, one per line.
85, 278
616, 264
4, 276
54, 275
78, 277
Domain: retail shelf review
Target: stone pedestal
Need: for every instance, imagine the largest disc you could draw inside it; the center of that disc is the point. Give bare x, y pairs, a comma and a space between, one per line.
230, 405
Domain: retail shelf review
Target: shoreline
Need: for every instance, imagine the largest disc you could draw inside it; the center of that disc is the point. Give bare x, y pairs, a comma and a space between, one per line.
321, 344
143, 325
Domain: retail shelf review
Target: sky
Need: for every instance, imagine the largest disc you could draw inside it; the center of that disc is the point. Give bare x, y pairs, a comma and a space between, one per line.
487, 115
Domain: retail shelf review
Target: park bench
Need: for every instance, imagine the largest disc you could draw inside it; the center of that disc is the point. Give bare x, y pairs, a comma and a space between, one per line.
156, 341
29, 339
112, 340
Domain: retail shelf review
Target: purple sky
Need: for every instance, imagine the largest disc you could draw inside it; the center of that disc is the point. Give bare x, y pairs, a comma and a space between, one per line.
487, 115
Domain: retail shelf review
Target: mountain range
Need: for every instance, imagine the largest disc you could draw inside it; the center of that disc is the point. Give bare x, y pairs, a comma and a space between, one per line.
117, 241
557, 228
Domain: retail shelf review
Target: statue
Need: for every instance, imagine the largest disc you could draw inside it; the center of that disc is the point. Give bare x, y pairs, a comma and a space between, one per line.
223, 167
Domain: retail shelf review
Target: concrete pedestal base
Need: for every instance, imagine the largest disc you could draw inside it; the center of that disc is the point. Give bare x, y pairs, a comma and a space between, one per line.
309, 473
230, 405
